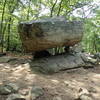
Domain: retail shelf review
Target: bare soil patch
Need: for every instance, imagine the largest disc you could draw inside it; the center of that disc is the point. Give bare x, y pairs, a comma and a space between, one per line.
65, 84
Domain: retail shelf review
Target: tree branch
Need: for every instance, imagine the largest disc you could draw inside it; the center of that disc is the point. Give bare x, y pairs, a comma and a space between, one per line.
51, 14
59, 7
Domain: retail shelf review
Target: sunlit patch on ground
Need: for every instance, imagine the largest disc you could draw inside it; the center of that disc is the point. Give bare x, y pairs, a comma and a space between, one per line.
65, 84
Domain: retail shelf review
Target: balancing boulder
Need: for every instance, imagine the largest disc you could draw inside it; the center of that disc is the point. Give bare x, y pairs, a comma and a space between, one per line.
43, 34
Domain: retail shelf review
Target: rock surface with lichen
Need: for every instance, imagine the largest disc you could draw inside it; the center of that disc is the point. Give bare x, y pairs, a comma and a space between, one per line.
50, 33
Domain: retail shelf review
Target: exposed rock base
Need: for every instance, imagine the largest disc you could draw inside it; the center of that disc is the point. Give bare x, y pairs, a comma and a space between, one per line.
61, 62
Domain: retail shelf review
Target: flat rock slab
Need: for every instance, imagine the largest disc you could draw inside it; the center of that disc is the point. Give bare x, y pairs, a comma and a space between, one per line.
57, 63
6, 59
13, 60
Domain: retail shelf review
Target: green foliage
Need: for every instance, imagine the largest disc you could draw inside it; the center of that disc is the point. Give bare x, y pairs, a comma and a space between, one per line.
91, 40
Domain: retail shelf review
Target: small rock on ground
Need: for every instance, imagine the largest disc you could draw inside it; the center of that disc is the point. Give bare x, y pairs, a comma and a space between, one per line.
15, 97
8, 89
92, 90
84, 94
36, 92
85, 97
57, 98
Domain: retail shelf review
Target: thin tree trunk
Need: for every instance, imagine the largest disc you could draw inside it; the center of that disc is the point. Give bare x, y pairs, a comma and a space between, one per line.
8, 39
1, 28
11, 10
3, 33
28, 12
51, 14
94, 44
60, 5
57, 50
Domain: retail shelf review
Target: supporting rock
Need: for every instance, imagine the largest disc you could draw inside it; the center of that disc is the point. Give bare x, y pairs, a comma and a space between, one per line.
57, 63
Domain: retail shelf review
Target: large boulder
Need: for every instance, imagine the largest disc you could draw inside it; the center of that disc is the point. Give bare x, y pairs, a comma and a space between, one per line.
50, 33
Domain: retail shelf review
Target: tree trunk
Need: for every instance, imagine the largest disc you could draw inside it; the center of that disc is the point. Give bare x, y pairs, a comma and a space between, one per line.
1, 27
52, 9
8, 39
59, 7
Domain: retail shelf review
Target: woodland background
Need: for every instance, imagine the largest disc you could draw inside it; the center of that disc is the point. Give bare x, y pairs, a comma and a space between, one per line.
12, 12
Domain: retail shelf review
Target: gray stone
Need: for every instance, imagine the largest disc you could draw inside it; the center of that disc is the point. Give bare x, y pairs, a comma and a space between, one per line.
57, 63
4, 90
84, 57
12, 87
49, 33
88, 59
97, 55
83, 91
57, 98
92, 89
85, 97
84, 94
6, 59
63, 61
93, 61
16, 97
8, 89
36, 91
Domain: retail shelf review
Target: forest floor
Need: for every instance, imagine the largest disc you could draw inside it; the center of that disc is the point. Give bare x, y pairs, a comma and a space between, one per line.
64, 85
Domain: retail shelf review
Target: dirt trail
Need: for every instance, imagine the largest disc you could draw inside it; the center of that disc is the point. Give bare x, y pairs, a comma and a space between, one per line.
65, 84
